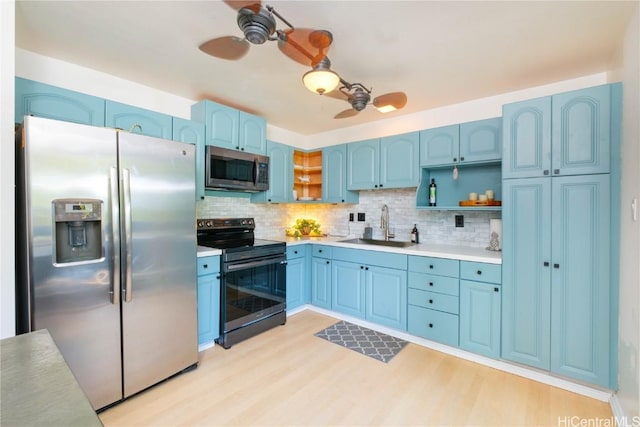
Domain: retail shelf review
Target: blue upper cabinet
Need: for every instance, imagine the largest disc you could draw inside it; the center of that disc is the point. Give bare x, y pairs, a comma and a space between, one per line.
192, 132
527, 138
440, 146
481, 141
252, 133
565, 134
280, 175
581, 131
363, 160
138, 120
389, 162
229, 128
42, 100
334, 176
399, 157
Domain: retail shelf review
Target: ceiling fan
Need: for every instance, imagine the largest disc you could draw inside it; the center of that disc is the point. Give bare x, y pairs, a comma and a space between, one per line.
359, 97
258, 24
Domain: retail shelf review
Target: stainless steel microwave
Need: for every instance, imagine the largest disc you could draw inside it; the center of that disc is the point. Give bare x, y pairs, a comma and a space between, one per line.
233, 170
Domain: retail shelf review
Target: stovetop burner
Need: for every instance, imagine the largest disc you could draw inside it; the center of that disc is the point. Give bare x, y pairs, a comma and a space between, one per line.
229, 234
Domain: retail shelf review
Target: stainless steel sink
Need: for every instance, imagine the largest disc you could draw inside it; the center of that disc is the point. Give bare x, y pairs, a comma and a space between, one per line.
392, 243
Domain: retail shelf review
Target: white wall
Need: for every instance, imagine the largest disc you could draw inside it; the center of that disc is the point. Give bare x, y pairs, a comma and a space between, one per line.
629, 314
7, 254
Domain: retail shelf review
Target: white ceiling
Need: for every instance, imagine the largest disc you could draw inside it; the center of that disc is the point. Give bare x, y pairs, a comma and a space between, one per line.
437, 52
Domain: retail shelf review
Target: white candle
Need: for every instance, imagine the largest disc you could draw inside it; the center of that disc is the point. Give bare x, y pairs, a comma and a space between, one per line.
473, 196
489, 194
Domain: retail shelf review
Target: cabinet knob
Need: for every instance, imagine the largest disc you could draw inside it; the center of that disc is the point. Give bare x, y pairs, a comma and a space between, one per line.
327, 261
375, 186
366, 268
462, 159
268, 200
319, 250
430, 301
479, 272
556, 171
431, 267
556, 265
545, 172
431, 325
430, 283
205, 266
218, 277
380, 185
295, 252
455, 159
361, 267
496, 289
546, 263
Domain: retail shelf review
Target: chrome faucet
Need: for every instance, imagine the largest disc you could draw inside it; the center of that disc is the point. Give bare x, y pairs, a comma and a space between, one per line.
384, 223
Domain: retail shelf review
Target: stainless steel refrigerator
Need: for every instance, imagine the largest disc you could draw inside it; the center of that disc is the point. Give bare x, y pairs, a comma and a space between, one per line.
107, 253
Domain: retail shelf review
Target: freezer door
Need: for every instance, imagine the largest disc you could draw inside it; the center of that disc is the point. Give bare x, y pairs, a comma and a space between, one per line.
73, 299
159, 311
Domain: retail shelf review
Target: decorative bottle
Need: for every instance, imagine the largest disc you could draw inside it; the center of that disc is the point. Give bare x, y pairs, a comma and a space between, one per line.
415, 235
432, 192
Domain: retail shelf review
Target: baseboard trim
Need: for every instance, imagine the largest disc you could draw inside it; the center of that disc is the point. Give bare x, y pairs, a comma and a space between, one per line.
525, 372
621, 419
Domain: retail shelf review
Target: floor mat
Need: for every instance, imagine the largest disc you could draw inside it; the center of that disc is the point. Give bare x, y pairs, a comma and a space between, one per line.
371, 343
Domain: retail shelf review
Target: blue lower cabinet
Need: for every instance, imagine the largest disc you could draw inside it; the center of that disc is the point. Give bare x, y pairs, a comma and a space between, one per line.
348, 288
321, 282
43, 100
433, 325
480, 305
386, 297
297, 289
208, 299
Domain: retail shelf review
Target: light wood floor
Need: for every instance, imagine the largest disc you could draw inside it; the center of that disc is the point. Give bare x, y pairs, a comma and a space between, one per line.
287, 376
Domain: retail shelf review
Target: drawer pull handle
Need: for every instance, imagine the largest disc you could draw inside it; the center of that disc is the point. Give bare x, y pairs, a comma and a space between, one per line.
430, 301
320, 250
295, 252
431, 325
430, 283
431, 266
205, 266
479, 272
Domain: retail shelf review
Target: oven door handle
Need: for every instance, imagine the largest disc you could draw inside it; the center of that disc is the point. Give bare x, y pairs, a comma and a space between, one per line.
230, 267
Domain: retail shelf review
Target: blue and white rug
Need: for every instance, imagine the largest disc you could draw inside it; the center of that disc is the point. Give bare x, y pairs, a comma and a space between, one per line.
371, 343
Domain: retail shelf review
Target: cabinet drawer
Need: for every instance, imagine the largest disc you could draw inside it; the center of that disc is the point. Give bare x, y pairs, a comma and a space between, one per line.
441, 302
481, 272
433, 325
432, 283
321, 251
297, 251
208, 265
439, 266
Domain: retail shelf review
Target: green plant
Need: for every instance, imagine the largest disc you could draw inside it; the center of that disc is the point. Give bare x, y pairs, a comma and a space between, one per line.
305, 227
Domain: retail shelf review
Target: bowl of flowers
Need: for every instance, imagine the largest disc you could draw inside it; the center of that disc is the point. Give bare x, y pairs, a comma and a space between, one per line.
305, 227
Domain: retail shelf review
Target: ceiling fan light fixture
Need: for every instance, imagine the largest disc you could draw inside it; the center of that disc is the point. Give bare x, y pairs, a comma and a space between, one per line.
321, 79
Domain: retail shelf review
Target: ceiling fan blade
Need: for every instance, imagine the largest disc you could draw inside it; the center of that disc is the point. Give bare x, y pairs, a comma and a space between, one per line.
306, 46
337, 94
394, 99
346, 113
228, 47
254, 5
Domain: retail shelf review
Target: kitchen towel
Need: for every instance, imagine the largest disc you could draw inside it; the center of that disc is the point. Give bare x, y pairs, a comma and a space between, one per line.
371, 343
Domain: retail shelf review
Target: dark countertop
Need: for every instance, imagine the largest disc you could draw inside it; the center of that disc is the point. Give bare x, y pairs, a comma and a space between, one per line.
37, 386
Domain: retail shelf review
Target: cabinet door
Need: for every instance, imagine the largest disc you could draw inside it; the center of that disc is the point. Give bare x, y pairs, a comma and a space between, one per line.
526, 273
296, 279
138, 120
321, 282
440, 146
526, 138
280, 175
363, 165
252, 133
480, 318
580, 278
193, 133
347, 293
386, 297
208, 308
334, 176
42, 100
221, 123
399, 157
481, 141
581, 131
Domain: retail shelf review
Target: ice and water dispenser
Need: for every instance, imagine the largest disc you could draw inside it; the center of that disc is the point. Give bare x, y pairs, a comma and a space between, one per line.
78, 230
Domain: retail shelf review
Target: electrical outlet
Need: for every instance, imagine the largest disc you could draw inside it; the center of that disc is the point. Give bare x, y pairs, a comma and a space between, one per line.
361, 216
351, 217
459, 220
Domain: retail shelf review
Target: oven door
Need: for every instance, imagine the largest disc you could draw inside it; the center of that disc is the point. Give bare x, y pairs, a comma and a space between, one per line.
252, 289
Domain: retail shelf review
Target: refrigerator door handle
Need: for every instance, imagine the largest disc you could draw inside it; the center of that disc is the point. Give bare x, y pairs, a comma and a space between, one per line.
115, 234
126, 190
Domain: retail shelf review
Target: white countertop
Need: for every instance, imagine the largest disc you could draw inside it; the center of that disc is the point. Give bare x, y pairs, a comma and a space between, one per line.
205, 251
462, 253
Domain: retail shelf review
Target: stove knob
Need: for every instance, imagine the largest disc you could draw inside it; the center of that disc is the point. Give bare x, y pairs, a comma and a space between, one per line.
208, 223
199, 224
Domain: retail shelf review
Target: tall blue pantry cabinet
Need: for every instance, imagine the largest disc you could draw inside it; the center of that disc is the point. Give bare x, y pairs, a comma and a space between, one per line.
560, 204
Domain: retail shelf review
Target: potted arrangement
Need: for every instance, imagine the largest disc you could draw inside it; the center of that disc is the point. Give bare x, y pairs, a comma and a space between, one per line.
305, 227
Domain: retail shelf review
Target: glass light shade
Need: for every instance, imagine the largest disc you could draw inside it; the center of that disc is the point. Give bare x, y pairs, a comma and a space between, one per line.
321, 81
386, 108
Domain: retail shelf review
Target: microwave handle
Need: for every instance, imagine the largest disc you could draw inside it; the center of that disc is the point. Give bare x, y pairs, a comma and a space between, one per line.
256, 171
